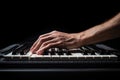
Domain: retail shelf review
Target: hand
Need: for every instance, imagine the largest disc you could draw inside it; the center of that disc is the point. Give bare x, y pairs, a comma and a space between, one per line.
55, 39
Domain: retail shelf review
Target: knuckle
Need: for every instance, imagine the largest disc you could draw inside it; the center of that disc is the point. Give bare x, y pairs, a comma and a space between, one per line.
42, 39
45, 43
55, 31
50, 45
61, 38
40, 36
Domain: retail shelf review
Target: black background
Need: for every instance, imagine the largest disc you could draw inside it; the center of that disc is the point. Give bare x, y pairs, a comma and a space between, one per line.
21, 21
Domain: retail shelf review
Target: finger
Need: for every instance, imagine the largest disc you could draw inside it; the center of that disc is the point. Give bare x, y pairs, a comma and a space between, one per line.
49, 42
41, 40
38, 40
47, 34
41, 50
44, 35
34, 44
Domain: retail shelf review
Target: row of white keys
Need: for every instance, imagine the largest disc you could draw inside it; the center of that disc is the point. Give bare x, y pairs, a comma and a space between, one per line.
82, 57
96, 57
31, 56
45, 57
10, 56
111, 57
40, 57
49, 57
27, 56
73, 56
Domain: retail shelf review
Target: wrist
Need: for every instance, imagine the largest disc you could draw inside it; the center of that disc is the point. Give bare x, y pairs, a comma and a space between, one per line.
81, 38
87, 37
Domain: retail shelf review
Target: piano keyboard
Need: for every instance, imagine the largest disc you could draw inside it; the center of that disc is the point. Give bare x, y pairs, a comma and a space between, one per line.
86, 53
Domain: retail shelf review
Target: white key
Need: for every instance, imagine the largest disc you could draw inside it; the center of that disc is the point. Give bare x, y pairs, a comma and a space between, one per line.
109, 57
36, 57
27, 56
64, 57
105, 57
97, 57
9, 56
55, 57
89, 57
16, 57
13, 57
47, 57
77, 56
113, 57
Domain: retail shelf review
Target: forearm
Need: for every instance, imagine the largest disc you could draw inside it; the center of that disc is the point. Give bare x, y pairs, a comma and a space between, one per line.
105, 31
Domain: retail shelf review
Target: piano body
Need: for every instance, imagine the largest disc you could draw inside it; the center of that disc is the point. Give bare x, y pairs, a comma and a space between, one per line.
92, 60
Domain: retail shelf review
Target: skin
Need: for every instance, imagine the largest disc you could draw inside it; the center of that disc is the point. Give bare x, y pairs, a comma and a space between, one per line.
102, 32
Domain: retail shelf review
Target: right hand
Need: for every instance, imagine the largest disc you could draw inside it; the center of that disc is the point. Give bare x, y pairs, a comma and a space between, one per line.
56, 39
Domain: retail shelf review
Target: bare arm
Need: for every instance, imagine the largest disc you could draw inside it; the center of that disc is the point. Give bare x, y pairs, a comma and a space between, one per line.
105, 31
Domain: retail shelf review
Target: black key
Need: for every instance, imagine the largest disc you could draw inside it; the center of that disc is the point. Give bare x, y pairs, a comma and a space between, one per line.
9, 48
91, 50
20, 49
103, 50
84, 52
106, 50
1, 55
50, 50
64, 50
22, 52
96, 49
17, 50
76, 50
26, 51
